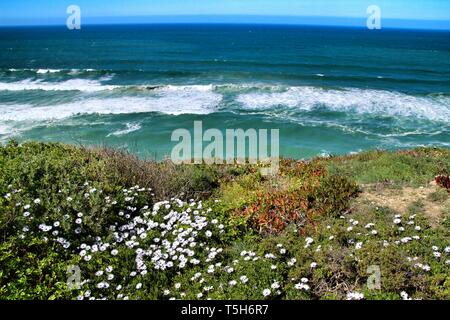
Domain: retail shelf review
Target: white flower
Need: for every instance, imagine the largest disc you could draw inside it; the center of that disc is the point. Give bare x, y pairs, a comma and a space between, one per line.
103, 285
405, 239
199, 295
358, 245
37, 201
232, 283
275, 285
208, 234
291, 262
374, 232
243, 279
302, 286
266, 292
350, 228
177, 285
313, 264
304, 280
424, 267
355, 296
397, 221
26, 214
404, 295
229, 269
138, 286
114, 252
308, 241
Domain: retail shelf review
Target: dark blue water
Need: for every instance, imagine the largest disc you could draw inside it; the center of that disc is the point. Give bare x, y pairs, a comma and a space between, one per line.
328, 90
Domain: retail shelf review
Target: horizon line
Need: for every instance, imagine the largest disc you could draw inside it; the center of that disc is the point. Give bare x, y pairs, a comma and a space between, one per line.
392, 23
223, 24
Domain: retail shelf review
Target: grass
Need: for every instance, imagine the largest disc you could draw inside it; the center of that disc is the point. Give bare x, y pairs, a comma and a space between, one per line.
414, 167
144, 230
439, 196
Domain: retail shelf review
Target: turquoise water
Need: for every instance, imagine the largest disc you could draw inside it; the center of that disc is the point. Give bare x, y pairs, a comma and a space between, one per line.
328, 90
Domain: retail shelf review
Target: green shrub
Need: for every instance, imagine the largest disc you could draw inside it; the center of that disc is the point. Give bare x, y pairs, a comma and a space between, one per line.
295, 236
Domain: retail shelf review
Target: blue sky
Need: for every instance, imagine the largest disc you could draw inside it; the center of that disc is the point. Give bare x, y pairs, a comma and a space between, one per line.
431, 13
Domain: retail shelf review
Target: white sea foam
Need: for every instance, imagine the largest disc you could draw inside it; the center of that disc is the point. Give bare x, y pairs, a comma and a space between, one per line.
48, 71
7, 131
130, 127
172, 100
4, 129
78, 71
351, 100
84, 85
201, 99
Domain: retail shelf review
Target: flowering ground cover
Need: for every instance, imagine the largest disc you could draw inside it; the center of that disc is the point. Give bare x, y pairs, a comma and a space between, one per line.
142, 230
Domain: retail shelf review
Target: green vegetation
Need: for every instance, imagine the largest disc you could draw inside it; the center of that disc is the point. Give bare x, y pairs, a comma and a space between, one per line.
440, 196
143, 230
414, 167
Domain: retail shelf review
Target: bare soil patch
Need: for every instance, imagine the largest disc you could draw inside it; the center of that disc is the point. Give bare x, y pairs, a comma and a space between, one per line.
400, 199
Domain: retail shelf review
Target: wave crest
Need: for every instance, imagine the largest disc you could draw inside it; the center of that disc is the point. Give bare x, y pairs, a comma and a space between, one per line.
351, 100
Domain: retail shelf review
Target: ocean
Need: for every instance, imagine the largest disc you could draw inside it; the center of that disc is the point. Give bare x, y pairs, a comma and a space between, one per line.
328, 90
